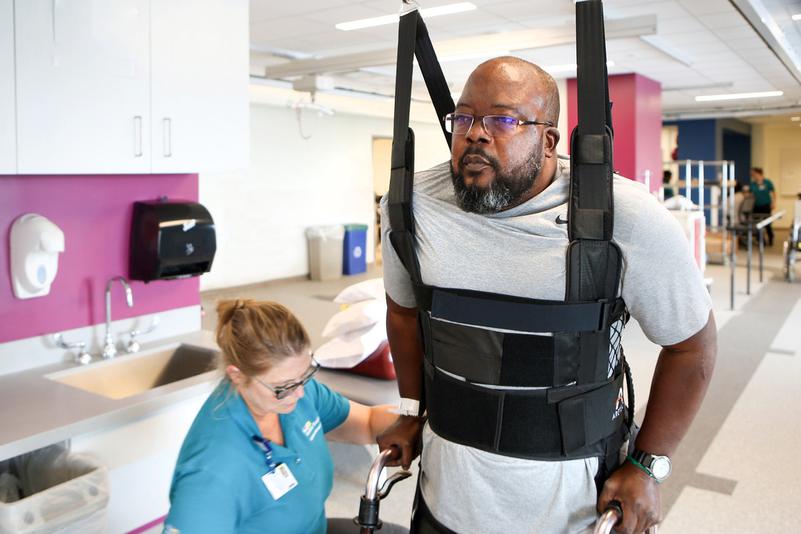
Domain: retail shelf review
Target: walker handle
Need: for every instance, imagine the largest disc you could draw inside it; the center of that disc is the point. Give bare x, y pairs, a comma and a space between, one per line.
611, 517
367, 519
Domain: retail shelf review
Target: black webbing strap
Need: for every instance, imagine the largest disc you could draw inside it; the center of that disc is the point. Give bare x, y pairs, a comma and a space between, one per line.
593, 261
413, 39
518, 314
591, 162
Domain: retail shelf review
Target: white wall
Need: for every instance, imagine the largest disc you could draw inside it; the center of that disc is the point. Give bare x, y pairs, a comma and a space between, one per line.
292, 183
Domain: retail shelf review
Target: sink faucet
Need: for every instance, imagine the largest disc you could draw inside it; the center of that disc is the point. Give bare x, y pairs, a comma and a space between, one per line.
109, 350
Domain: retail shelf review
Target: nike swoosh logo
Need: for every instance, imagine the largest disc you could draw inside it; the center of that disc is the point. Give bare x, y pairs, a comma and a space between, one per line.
560, 220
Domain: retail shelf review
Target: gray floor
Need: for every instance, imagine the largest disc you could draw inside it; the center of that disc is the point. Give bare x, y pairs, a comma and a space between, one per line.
738, 468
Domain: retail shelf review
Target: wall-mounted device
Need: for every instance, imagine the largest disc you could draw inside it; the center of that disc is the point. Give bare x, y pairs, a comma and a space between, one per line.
170, 239
35, 244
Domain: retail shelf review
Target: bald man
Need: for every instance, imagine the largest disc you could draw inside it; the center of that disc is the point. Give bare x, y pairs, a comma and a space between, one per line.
493, 219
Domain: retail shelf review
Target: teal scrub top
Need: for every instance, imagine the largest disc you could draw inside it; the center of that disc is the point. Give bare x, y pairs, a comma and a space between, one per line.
761, 192
217, 486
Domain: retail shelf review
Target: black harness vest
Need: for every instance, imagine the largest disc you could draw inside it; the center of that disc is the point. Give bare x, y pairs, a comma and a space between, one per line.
473, 339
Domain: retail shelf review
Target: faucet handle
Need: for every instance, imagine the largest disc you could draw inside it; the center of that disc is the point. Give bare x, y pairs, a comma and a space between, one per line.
83, 357
133, 344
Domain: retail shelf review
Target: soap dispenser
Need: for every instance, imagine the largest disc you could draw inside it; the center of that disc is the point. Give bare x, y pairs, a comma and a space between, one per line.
35, 245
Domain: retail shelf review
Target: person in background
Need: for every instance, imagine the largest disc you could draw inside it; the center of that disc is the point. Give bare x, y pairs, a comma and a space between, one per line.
667, 176
764, 197
256, 459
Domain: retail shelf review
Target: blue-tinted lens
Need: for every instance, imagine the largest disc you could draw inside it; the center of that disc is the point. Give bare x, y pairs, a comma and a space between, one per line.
460, 122
500, 124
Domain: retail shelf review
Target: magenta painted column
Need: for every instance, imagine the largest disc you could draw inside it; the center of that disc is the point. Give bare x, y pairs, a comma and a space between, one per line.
637, 119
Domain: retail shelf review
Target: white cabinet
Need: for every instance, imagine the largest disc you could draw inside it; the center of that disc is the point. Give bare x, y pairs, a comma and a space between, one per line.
130, 86
8, 141
83, 86
199, 76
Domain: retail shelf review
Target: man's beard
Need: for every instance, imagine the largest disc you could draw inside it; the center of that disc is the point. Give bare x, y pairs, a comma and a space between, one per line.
504, 190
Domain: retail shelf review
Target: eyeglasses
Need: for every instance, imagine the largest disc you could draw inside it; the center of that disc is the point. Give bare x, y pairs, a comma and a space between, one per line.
495, 125
282, 392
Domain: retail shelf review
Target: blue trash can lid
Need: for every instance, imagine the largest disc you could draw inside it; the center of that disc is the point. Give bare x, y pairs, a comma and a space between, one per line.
354, 227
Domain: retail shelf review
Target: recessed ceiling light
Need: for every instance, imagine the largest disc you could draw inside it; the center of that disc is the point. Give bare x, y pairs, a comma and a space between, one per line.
797, 16
448, 9
795, 119
738, 96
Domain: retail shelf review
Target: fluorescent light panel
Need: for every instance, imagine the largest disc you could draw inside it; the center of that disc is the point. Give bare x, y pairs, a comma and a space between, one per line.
738, 96
569, 67
795, 119
797, 16
448, 9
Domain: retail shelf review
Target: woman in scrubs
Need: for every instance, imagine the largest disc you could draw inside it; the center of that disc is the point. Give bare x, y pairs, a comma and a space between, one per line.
255, 459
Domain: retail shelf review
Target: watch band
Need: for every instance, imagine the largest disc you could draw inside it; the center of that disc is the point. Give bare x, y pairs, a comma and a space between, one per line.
646, 461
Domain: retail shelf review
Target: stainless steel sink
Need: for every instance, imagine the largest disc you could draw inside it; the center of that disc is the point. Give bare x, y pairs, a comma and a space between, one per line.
131, 374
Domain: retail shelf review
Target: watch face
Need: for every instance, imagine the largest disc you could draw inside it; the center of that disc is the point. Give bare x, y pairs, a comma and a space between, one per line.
660, 467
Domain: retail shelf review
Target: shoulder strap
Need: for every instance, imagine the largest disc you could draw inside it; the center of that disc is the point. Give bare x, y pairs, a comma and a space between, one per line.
593, 261
590, 208
413, 40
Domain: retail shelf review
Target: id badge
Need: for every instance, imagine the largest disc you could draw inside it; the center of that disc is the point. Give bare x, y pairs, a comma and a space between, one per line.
279, 481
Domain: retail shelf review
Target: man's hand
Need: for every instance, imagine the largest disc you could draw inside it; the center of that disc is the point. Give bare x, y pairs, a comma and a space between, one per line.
638, 495
406, 434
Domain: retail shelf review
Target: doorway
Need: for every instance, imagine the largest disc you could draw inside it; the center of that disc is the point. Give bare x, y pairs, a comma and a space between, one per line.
382, 165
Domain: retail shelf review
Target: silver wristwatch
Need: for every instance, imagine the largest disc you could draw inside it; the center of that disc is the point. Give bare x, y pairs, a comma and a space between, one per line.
659, 467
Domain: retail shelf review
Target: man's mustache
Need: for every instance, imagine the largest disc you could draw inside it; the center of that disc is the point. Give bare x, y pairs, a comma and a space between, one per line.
476, 151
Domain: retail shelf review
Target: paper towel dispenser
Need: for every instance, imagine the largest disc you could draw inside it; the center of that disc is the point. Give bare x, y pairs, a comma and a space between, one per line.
170, 239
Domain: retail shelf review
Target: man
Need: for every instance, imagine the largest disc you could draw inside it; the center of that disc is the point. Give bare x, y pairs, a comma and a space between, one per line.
494, 221
764, 197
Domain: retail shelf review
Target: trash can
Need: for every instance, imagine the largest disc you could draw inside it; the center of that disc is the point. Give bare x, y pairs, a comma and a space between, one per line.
53, 490
325, 251
354, 256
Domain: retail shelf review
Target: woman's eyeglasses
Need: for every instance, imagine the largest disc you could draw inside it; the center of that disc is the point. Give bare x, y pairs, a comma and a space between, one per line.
495, 125
282, 392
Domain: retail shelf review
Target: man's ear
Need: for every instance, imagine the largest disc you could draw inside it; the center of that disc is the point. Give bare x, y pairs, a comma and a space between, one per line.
551, 140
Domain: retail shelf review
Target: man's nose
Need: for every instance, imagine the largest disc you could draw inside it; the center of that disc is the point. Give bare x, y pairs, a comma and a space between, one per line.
478, 132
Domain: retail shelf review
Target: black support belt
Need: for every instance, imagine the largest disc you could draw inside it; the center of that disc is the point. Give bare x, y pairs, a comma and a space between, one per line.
545, 424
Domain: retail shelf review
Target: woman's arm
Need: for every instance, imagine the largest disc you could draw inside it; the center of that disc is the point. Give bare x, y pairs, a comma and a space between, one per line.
363, 424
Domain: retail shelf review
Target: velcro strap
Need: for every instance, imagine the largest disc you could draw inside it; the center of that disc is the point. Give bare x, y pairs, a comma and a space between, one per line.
593, 149
516, 314
523, 423
590, 223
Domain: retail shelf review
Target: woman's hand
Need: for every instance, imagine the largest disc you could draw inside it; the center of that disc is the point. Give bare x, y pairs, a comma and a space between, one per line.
406, 434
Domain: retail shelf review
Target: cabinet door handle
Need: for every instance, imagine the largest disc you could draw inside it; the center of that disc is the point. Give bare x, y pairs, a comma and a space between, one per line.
137, 136
167, 136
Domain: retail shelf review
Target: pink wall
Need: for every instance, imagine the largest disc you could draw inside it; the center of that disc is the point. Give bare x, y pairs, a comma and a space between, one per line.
637, 119
94, 212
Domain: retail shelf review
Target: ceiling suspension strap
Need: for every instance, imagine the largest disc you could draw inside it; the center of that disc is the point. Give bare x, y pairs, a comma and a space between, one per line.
591, 141
413, 40
593, 270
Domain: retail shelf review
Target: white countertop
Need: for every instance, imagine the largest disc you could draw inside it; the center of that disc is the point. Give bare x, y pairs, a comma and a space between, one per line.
36, 411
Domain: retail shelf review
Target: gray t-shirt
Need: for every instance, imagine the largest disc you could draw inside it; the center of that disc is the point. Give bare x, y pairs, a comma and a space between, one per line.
521, 252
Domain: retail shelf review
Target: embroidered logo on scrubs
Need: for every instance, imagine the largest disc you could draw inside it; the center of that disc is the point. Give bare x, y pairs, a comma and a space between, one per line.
311, 428
619, 405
